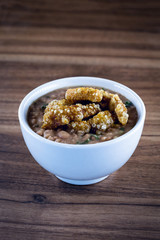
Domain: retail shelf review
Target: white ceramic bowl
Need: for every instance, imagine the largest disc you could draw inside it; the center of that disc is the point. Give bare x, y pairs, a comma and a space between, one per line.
82, 164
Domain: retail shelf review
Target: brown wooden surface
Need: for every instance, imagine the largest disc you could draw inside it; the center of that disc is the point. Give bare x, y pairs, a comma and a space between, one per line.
45, 40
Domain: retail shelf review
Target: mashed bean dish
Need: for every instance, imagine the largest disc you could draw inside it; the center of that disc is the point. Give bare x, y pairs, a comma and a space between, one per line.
82, 115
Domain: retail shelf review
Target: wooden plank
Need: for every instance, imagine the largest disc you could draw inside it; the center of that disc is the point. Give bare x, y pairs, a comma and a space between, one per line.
80, 60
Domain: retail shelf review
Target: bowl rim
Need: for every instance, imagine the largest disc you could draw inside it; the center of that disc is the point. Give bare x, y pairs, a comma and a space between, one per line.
24, 123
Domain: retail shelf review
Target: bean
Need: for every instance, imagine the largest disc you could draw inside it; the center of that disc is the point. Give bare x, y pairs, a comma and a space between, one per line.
86, 137
115, 131
33, 121
40, 132
35, 114
58, 140
63, 134
80, 133
106, 138
53, 96
48, 100
74, 138
110, 134
39, 120
103, 138
48, 133
50, 138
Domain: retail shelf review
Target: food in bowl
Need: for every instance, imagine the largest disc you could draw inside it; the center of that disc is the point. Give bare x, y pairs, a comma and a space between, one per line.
82, 115
81, 164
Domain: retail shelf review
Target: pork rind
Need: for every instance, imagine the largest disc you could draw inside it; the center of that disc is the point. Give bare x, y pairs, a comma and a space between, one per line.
57, 114
107, 95
90, 109
83, 94
72, 113
102, 121
119, 108
83, 126
55, 104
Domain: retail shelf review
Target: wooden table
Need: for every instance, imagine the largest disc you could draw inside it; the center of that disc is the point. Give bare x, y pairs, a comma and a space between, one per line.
45, 40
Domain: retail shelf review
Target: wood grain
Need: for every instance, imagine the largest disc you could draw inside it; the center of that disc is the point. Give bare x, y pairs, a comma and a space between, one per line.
45, 40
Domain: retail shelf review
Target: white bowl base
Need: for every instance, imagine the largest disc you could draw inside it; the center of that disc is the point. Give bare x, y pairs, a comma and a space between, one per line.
82, 182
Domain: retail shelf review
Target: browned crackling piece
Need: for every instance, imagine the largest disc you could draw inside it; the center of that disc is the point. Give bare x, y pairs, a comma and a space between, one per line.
83, 94
83, 126
57, 114
119, 108
102, 121
60, 112
90, 109
55, 102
